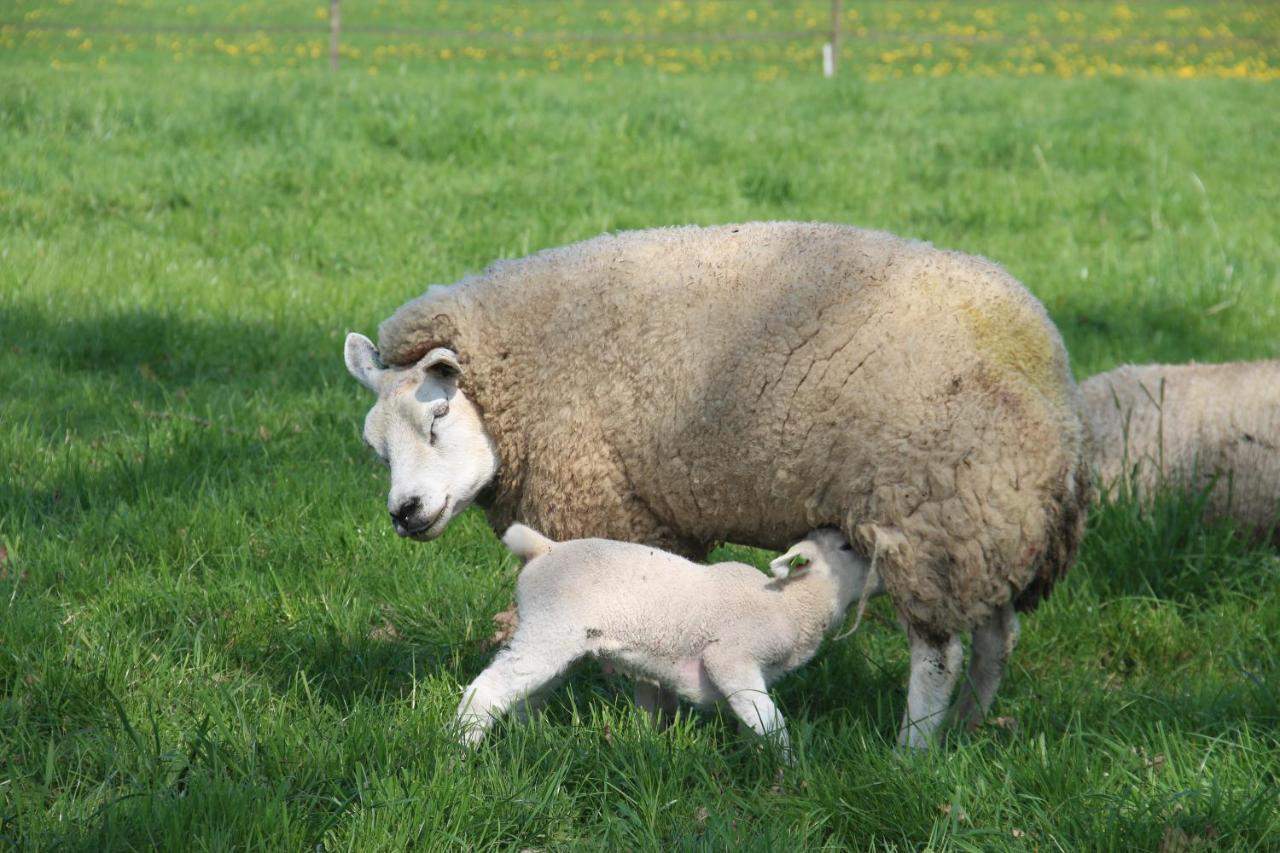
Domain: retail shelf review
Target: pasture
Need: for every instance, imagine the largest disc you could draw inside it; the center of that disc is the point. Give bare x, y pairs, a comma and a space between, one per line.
210, 637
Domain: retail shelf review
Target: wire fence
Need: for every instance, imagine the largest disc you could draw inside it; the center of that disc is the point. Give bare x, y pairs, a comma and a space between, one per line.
884, 38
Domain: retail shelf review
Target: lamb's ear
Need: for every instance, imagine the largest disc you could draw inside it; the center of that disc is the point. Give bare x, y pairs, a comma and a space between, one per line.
361, 357
789, 565
441, 361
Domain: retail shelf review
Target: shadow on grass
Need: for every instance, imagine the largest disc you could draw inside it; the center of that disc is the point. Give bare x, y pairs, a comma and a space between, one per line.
342, 670
146, 403
143, 348
1096, 327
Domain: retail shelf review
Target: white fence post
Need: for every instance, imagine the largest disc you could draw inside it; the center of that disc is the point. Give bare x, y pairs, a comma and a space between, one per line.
335, 24
837, 7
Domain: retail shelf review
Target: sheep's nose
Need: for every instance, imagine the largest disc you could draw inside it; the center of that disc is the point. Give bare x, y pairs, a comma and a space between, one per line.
404, 513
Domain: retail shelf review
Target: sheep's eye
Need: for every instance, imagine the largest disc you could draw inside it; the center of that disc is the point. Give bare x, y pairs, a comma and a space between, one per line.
846, 547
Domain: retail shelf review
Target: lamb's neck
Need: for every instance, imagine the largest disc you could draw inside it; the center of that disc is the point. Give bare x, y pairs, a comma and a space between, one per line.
845, 593
814, 604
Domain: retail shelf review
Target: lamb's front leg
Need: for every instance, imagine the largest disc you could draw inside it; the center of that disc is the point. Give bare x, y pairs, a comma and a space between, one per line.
935, 663
743, 686
516, 673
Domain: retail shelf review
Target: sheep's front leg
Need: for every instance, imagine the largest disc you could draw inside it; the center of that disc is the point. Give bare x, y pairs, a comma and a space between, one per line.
935, 663
515, 674
993, 642
742, 684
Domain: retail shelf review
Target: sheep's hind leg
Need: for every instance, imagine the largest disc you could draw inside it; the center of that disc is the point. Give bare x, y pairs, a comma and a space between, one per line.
742, 684
514, 675
935, 663
993, 642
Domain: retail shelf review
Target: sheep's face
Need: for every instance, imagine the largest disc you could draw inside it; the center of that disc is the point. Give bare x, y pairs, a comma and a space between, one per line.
825, 552
428, 433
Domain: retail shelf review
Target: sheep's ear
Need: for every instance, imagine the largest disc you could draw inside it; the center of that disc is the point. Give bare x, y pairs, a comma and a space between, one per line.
441, 361
361, 357
789, 565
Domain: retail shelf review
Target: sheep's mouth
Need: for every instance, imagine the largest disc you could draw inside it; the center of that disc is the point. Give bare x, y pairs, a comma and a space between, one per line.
433, 528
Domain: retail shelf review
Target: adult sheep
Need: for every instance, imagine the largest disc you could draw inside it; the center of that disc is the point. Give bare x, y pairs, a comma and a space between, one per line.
751, 383
1195, 426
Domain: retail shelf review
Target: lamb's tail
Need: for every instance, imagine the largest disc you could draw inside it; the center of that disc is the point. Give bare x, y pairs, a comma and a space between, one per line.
526, 543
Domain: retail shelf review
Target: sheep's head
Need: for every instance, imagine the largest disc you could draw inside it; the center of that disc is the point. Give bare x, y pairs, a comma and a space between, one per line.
429, 434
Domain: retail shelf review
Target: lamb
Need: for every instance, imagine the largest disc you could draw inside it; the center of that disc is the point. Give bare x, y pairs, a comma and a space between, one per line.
708, 633
679, 387
1197, 426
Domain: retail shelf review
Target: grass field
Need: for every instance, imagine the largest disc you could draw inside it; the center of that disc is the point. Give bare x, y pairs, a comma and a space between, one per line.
210, 637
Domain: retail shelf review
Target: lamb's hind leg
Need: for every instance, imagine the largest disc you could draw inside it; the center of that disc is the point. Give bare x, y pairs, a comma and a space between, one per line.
516, 673
935, 663
993, 643
658, 703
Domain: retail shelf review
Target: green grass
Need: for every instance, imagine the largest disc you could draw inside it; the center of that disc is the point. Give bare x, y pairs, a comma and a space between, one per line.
210, 637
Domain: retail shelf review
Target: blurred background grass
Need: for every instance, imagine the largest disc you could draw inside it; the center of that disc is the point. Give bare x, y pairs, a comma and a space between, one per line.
884, 39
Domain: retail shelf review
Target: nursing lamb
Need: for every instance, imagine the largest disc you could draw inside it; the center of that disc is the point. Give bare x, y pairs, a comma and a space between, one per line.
720, 633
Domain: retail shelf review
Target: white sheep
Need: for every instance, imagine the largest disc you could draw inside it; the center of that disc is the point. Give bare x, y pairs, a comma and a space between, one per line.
709, 634
1193, 426
750, 383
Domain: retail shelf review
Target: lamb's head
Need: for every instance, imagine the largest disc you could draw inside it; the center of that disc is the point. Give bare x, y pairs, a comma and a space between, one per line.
827, 553
430, 435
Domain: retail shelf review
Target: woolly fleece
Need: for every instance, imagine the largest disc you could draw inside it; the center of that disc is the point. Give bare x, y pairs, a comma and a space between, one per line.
1219, 420
750, 383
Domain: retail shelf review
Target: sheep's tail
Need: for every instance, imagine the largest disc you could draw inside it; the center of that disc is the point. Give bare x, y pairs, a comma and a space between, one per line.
526, 543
